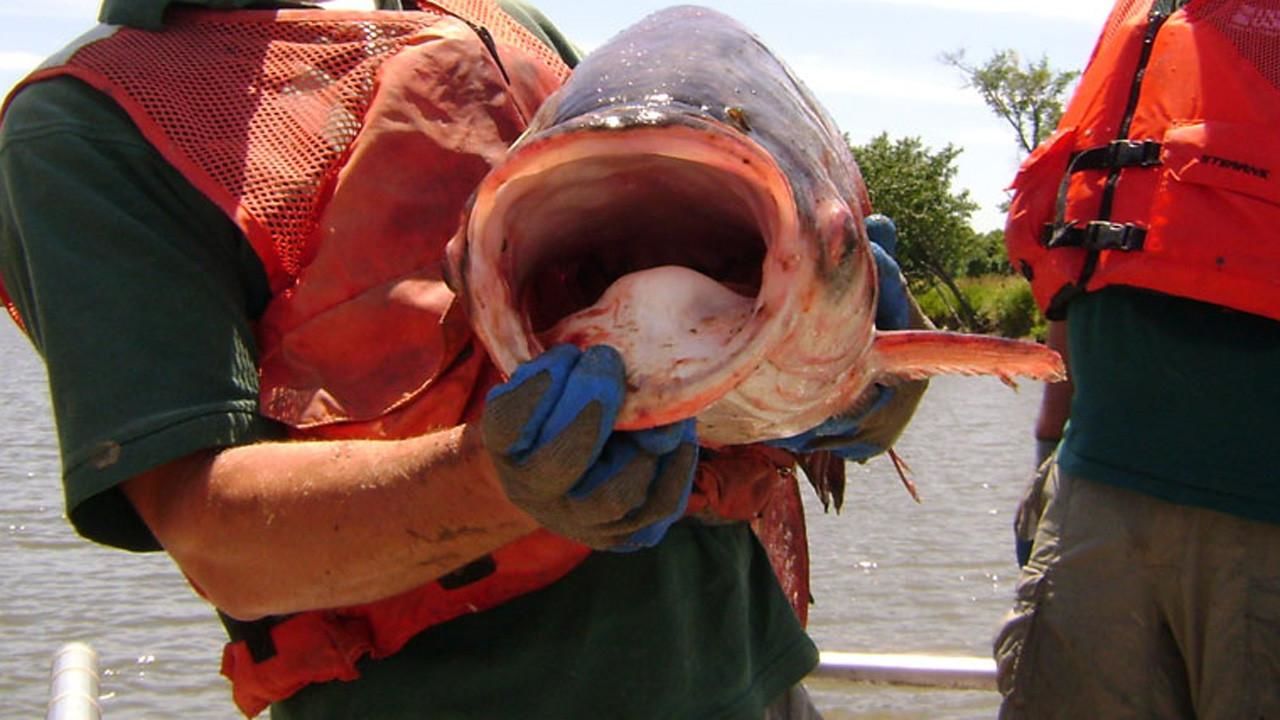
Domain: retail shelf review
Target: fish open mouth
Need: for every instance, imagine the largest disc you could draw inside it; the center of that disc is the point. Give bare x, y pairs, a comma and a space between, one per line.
677, 246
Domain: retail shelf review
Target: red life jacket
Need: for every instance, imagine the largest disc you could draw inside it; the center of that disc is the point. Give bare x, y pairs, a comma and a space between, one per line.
347, 167
1164, 172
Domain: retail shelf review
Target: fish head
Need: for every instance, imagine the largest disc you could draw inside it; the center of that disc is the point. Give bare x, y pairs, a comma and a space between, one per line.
685, 200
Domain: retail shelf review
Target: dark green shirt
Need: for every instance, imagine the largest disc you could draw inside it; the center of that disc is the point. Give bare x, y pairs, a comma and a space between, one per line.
668, 632
141, 297
138, 292
1176, 399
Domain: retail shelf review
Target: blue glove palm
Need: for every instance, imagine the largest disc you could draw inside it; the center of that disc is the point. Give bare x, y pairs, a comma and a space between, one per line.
550, 433
893, 312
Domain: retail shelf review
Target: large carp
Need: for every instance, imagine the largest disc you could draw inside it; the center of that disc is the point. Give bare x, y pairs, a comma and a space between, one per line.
685, 199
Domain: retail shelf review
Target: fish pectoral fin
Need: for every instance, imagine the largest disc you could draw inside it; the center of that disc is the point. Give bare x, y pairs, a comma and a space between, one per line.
826, 473
905, 355
904, 474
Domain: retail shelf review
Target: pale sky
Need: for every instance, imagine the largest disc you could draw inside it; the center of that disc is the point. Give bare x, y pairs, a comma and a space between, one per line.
873, 63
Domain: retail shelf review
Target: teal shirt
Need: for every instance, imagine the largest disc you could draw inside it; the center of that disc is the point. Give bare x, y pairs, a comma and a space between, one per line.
141, 297
1176, 399
664, 633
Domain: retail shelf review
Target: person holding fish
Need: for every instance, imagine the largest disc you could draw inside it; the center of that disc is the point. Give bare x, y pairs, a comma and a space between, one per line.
1147, 226
224, 229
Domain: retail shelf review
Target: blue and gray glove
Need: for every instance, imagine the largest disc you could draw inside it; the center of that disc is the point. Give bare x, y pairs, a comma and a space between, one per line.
893, 302
549, 430
848, 435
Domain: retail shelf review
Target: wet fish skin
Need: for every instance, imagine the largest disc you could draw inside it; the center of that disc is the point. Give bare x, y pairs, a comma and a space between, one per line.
685, 199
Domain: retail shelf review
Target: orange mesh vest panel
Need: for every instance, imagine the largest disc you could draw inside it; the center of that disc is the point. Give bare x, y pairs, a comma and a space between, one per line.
344, 145
1164, 172
356, 143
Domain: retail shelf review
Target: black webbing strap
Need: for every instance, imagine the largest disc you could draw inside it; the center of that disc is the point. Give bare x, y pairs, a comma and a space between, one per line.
256, 634
1118, 154
1102, 234
1096, 235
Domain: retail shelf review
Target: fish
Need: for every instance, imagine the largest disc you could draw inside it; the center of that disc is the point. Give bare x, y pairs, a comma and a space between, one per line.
684, 198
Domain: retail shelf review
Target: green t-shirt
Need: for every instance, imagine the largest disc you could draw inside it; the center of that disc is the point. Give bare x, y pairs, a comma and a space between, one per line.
663, 633
1176, 399
137, 291
141, 297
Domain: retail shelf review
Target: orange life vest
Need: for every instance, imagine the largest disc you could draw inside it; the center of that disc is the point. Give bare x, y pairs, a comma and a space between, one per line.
1164, 172
347, 166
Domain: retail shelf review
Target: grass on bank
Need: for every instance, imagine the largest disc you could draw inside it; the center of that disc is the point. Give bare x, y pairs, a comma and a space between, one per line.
1003, 304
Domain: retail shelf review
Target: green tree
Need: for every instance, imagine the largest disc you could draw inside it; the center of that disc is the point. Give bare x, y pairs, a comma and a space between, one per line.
912, 184
1028, 96
987, 255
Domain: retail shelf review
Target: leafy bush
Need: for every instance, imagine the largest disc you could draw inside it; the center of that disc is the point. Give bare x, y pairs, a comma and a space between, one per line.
937, 307
1004, 302
986, 255
1015, 313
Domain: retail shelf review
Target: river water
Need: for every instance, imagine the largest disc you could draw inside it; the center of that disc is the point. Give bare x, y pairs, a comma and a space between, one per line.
888, 575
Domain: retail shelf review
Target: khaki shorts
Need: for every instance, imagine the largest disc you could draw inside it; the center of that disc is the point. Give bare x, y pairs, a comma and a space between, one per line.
1131, 607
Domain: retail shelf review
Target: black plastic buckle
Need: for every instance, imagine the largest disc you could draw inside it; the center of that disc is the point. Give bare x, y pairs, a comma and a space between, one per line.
1096, 235
1118, 154
1102, 235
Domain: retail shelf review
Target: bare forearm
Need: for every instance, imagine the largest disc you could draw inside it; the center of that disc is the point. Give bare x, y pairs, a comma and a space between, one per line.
283, 527
1055, 405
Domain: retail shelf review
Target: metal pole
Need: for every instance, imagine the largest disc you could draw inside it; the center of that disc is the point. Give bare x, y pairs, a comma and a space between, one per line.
939, 671
73, 684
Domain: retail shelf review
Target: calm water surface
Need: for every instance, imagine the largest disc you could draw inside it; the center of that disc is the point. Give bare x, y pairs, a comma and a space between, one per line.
889, 575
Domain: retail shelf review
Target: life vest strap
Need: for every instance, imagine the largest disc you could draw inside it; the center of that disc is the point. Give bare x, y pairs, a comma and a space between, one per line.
1095, 235
256, 634
1117, 154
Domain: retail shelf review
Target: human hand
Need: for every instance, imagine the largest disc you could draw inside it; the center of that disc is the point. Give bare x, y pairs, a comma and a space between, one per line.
1027, 517
1026, 520
893, 312
1045, 448
549, 431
